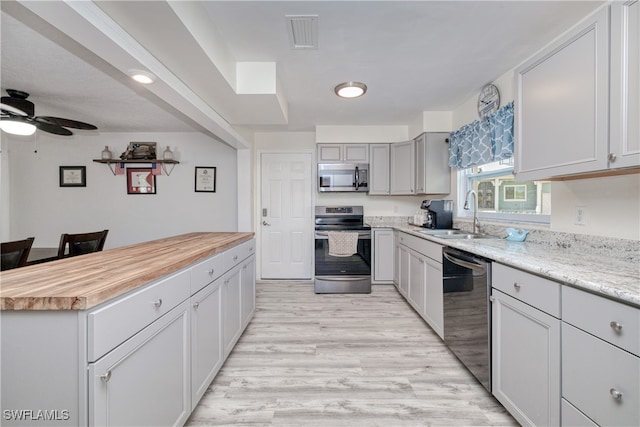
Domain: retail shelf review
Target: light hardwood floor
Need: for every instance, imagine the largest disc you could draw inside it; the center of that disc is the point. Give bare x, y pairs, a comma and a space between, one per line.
338, 360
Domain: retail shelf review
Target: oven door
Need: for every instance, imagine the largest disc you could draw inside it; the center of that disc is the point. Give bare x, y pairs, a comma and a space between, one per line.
343, 274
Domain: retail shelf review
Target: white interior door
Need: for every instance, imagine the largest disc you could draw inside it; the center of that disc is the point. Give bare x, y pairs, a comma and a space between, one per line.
286, 216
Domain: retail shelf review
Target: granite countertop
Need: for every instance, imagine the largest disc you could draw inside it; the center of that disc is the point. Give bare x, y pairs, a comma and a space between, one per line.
617, 277
82, 282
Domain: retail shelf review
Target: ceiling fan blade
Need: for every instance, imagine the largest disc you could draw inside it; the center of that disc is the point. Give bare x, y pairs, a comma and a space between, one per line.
68, 123
51, 128
17, 105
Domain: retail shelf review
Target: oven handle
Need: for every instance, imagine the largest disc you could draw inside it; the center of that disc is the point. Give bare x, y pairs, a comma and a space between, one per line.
323, 235
467, 264
340, 278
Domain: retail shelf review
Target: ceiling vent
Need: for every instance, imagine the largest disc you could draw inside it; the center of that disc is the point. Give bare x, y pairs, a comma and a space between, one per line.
303, 31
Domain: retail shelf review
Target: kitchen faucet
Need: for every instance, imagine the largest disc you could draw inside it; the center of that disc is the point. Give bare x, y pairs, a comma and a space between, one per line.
476, 223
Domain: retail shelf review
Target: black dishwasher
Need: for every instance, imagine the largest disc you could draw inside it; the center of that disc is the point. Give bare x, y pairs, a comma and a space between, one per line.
467, 316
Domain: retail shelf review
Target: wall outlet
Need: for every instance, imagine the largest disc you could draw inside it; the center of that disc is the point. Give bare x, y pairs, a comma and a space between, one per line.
581, 215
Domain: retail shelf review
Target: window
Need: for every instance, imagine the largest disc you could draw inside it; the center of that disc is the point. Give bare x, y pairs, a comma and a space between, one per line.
501, 197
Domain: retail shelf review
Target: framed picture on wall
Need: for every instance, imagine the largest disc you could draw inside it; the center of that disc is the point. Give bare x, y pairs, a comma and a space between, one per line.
73, 176
205, 179
141, 181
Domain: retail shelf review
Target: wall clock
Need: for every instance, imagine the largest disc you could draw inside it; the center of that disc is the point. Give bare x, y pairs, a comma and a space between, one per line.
488, 100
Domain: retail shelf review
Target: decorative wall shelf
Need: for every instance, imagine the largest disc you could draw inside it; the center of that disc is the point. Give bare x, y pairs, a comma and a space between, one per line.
112, 162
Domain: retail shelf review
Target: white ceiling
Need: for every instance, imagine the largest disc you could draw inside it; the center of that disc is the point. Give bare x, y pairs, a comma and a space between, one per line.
414, 56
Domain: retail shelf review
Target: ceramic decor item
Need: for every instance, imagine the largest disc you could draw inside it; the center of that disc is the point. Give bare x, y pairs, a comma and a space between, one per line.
106, 153
516, 235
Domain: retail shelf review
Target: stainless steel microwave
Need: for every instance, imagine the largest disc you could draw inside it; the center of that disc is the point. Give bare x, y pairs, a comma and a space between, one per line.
343, 177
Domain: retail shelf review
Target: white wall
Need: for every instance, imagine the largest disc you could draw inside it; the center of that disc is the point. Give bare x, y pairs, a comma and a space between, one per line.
40, 208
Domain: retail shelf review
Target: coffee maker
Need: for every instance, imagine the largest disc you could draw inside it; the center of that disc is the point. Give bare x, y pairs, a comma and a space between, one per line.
439, 213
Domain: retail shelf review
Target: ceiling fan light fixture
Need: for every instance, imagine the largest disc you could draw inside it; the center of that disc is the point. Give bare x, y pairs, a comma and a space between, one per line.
350, 89
143, 77
17, 128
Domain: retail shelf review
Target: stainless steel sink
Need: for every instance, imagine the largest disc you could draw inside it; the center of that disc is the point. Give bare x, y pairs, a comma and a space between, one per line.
455, 234
465, 235
441, 232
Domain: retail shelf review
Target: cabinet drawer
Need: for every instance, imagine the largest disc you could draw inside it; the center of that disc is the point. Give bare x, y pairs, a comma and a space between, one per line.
534, 290
593, 371
425, 247
112, 324
612, 321
239, 253
206, 272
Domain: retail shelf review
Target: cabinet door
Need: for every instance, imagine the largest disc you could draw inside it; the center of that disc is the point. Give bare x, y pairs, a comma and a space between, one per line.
417, 281
145, 380
433, 174
356, 153
206, 338
329, 153
231, 310
433, 309
396, 259
248, 289
625, 84
563, 132
403, 273
402, 168
378, 169
383, 254
525, 361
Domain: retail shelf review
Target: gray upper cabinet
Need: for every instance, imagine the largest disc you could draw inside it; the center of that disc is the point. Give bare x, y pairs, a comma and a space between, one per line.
378, 169
624, 137
403, 177
343, 153
433, 174
577, 102
562, 104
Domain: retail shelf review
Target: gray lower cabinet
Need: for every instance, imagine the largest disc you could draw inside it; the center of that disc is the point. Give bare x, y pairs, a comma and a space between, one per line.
232, 317
418, 277
248, 290
600, 360
206, 338
383, 256
145, 381
526, 345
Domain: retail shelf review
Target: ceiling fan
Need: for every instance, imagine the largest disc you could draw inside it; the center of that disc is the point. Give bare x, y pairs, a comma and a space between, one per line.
16, 108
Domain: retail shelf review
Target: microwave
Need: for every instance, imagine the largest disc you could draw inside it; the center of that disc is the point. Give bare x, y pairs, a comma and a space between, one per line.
343, 177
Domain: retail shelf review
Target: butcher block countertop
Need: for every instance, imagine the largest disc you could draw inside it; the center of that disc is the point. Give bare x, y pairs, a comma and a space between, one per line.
85, 281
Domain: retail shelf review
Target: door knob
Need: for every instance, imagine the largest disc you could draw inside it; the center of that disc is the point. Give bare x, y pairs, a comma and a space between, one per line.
265, 223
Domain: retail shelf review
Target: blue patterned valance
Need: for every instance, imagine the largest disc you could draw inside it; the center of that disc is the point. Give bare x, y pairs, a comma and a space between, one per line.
484, 141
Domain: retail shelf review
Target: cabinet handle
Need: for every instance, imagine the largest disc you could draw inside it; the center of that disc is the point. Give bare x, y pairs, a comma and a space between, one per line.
615, 394
226, 282
235, 258
615, 326
107, 376
158, 303
211, 272
244, 267
612, 157
196, 305
516, 285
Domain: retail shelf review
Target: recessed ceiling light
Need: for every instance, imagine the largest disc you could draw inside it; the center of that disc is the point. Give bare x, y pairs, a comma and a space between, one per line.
141, 76
17, 127
350, 89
